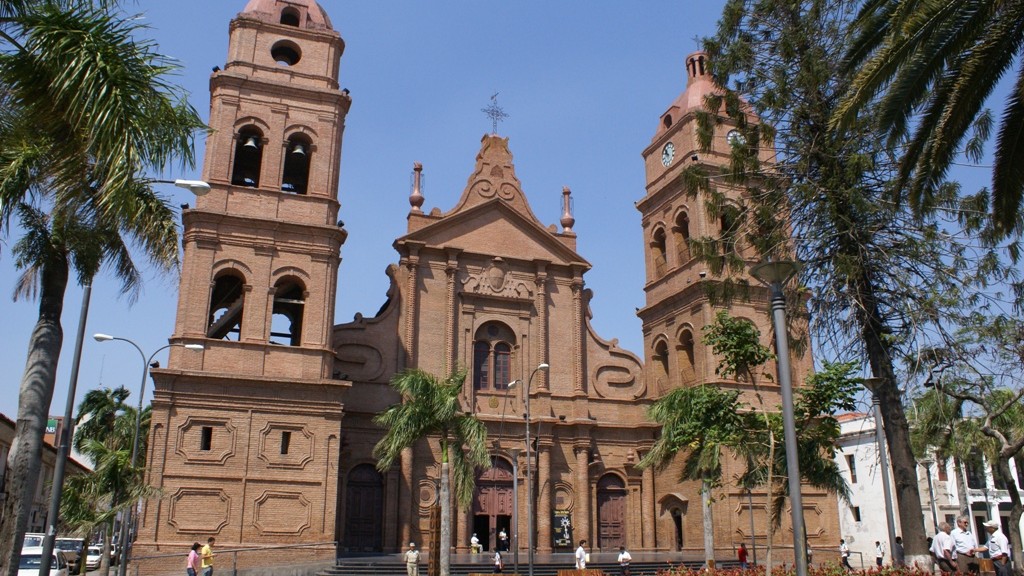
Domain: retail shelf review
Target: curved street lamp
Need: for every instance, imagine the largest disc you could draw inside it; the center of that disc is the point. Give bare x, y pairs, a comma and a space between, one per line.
775, 274
146, 362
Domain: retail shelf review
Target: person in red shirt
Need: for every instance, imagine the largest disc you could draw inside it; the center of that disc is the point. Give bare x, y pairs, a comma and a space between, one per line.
741, 555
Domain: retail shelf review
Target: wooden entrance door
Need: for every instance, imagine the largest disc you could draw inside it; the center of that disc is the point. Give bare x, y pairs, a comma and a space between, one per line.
611, 513
364, 510
492, 504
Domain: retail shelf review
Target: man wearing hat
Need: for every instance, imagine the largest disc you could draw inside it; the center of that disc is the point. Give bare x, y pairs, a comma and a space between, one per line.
412, 560
998, 548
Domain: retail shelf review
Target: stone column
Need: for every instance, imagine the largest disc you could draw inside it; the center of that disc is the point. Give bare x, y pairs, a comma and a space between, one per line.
411, 264
543, 507
541, 304
451, 271
647, 509
405, 500
577, 330
581, 501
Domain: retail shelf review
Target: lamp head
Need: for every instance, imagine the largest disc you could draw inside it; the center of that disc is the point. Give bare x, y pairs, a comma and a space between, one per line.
512, 384
195, 347
102, 337
543, 366
774, 271
197, 187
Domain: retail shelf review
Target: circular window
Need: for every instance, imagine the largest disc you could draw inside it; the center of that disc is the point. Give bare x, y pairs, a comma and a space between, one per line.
286, 53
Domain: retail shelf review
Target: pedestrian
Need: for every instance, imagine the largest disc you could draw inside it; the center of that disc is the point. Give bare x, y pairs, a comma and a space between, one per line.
965, 546
879, 553
624, 560
498, 565
844, 553
503, 540
741, 555
581, 556
942, 549
207, 556
899, 558
412, 560
192, 566
998, 548
474, 544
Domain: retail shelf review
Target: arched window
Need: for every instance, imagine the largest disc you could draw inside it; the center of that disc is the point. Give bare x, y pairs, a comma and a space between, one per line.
658, 251
290, 17
687, 369
289, 303
248, 158
296, 165
660, 359
226, 305
492, 357
681, 232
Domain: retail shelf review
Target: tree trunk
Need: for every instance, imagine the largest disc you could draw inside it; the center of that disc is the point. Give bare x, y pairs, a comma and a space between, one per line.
446, 517
105, 559
709, 524
33, 408
961, 486
1003, 470
897, 430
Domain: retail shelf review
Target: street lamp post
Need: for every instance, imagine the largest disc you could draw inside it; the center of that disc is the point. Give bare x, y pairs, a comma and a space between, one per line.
753, 541
775, 275
872, 384
529, 469
123, 538
514, 452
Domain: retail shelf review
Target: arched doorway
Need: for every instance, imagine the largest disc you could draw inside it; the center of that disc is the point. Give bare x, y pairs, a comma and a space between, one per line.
611, 512
492, 504
364, 509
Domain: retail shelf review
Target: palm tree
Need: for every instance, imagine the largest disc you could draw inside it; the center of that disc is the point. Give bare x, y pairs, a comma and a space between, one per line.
926, 69
85, 112
98, 414
431, 408
703, 422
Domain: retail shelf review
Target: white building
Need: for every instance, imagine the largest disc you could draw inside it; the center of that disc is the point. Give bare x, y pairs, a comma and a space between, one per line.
862, 521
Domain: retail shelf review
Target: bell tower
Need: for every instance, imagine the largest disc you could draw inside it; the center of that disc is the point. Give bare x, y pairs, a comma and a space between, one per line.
245, 434
262, 248
677, 307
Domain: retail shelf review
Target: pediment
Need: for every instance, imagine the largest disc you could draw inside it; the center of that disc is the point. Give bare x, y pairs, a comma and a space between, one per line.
495, 229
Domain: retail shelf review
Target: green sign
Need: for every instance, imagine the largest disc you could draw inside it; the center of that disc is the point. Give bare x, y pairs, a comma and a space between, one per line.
51, 426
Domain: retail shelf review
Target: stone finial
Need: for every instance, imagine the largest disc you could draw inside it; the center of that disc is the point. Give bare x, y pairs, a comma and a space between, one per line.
416, 198
567, 220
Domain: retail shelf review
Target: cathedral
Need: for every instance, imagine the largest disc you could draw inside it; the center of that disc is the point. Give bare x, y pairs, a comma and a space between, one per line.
265, 437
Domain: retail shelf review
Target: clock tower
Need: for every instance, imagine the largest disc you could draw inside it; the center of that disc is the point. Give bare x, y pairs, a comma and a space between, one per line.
245, 434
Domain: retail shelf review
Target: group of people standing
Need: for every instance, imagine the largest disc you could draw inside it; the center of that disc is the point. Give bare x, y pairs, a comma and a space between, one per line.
200, 559
958, 549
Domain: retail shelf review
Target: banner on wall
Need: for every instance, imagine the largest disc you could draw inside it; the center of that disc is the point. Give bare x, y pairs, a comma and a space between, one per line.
561, 528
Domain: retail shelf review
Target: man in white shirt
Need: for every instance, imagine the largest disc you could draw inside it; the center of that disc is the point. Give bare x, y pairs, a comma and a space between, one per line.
942, 549
412, 560
998, 548
581, 556
965, 546
844, 553
624, 560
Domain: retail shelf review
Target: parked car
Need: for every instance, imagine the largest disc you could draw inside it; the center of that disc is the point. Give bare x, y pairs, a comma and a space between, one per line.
32, 540
93, 557
72, 548
31, 557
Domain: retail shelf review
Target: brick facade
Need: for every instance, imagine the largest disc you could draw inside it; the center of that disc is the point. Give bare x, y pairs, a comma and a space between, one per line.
265, 437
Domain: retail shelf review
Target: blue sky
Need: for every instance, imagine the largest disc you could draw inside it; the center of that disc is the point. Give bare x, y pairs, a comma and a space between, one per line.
584, 84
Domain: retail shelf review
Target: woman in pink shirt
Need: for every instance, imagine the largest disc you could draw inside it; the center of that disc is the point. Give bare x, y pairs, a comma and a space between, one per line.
192, 567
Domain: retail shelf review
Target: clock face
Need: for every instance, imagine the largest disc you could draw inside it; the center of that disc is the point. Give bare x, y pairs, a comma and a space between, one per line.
734, 138
668, 153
